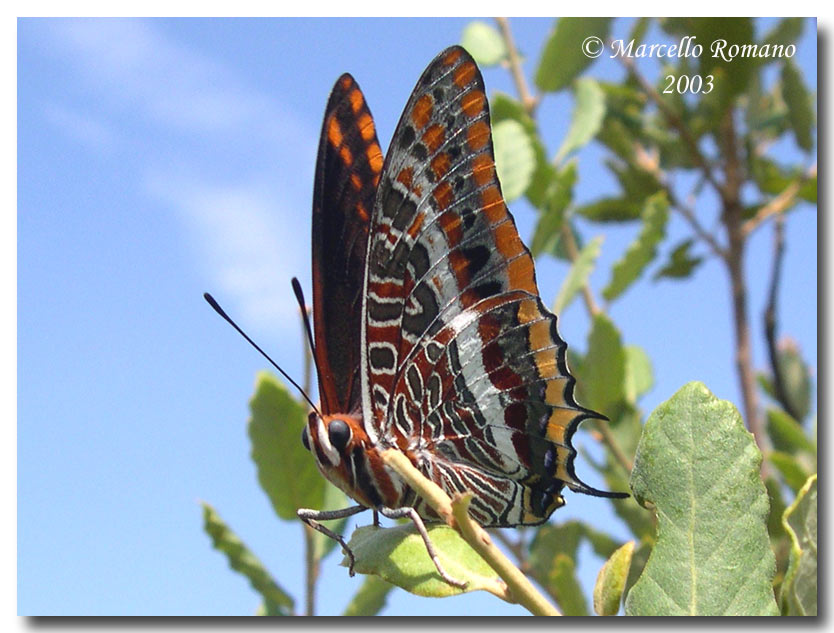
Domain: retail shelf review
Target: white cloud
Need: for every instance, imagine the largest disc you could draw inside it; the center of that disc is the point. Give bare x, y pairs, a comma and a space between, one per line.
245, 245
135, 63
235, 164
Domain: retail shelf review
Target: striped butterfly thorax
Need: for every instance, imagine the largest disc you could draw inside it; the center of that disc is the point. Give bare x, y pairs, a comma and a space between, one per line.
430, 334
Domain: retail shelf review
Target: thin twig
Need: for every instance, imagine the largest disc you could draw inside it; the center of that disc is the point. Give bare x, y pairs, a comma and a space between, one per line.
653, 167
609, 440
674, 120
780, 203
311, 563
731, 217
312, 572
770, 317
527, 100
573, 254
455, 513
700, 231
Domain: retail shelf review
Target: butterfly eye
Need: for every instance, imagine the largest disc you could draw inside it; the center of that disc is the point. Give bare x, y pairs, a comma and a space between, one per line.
305, 439
339, 433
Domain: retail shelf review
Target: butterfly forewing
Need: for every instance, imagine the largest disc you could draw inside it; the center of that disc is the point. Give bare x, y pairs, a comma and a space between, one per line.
347, 175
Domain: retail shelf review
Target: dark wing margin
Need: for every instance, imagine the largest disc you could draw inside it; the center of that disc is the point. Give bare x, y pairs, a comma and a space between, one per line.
347, 176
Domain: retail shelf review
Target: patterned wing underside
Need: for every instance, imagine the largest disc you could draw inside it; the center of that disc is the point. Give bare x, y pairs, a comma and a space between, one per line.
462, 362
347, 176
442, 238
491, 392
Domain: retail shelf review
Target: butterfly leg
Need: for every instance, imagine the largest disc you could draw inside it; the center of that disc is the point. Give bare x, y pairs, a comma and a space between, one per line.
376, 518
312, 518
411, 513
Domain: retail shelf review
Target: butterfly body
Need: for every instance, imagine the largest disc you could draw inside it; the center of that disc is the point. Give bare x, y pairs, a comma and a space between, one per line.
430, 335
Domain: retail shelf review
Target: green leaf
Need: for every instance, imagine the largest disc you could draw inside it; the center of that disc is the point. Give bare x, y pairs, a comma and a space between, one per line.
800, 105
515, 159
552, 539
504, 107
371, 597
611, 210
791, 467
563, 584
549, 227
638, 31
286, 470
484, 43
611, 580
643, 250
766, 113
398, 555
578, 274
796, 378
777, 508
724, 33
276, 600
638, 563
588, 113
618, 136
766, 383
773, 179
787, 31
602, 374
552, 555
680, 264
603, 544
786, 434
700, 469
799, 589
563, 58
638, 373
637, 183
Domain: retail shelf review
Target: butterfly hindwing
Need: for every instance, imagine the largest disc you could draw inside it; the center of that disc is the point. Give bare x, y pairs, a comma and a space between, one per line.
491, 391
347, 176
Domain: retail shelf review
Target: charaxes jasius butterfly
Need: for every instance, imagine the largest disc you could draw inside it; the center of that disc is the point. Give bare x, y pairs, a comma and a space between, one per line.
430, 335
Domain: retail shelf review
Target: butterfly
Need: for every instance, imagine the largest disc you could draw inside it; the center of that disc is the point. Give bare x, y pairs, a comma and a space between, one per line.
430, 334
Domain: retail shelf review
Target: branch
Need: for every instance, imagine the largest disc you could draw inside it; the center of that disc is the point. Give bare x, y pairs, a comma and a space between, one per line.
700, 231
652, 166
573, 253
312, 570
455, 513
675, 121
527, 100
780, 203
770, 317
608, 439
311, 563
731, 217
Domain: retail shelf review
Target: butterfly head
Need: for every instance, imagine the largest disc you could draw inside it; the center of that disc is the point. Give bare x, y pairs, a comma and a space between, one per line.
331, 439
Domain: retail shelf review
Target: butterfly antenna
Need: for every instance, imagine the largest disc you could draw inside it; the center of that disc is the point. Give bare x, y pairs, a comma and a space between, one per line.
222, 313
299, 297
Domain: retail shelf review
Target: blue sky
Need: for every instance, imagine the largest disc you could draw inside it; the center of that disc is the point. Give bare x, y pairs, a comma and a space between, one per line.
158, 159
